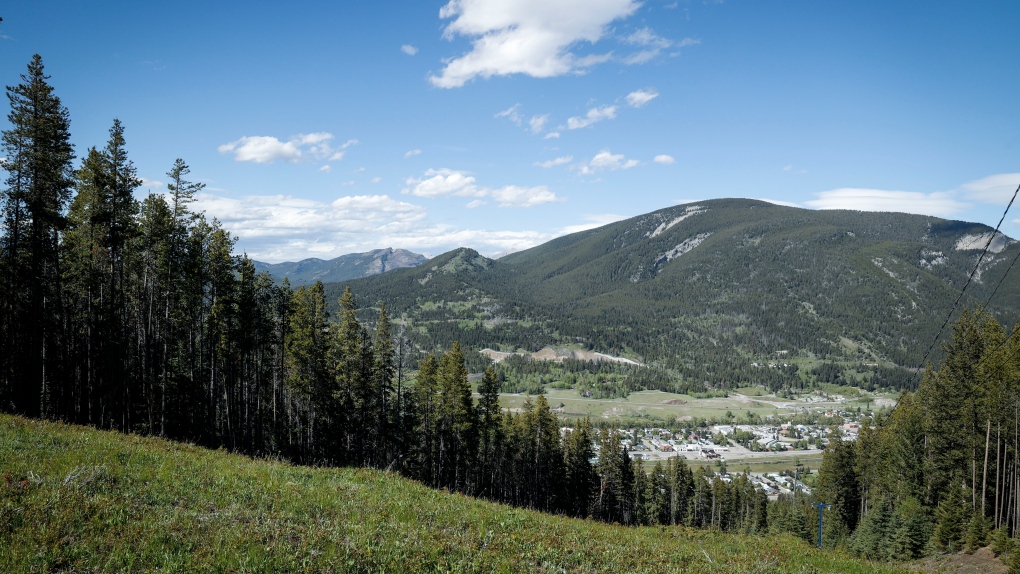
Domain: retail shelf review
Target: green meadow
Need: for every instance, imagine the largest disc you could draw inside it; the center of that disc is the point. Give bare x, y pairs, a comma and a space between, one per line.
75, 499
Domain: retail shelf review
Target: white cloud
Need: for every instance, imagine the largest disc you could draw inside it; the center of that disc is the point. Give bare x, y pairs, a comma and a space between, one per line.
555, 162
537, 123
287, 228
641, 57
146, 182
375, 180
268, 149
639, 98
476, 203
513, 113
605, 160
593, 221
996, 189
652, 45
940, 204
551, 135
282, 219
441, 183
647, 37
532, 37
262, 149
412, 153
594, 115
326, 168
664, 159
516, 196
450, 183
409, 49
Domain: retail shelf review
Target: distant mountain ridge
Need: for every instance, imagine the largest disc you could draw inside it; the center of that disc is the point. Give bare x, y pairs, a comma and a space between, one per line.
710, 290
343, 268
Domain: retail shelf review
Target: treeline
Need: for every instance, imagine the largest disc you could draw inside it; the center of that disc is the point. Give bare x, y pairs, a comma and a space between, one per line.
941, 471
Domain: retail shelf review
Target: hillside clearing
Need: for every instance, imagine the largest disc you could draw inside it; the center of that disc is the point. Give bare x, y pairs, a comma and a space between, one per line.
77, 499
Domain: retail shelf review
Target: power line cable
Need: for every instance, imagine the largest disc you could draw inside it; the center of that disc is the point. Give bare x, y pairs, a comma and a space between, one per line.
970, 278
984, 251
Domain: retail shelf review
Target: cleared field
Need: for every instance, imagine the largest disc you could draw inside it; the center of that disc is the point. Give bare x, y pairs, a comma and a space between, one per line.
664, 406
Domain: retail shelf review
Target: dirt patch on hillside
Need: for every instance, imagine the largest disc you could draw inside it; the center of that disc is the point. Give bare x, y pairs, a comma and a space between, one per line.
980, 562
675, 402
559, 355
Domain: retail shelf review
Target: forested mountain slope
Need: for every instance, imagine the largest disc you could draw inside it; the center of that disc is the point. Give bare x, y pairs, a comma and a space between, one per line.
705, 290
343, 268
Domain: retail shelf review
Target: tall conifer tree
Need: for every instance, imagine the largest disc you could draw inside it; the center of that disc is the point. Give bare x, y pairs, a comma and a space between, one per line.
39, 169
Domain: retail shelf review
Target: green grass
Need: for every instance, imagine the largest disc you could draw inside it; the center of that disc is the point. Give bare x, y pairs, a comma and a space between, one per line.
78, 499
653, 404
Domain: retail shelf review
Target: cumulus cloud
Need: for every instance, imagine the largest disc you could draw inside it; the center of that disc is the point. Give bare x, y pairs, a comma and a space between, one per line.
288, 228
555, 162
516, 196
326, 168
443, 182
996, 189
594, 115
450, 183
146, 182
409, 49
532, 37
412, 153
551, 135
940, 204
607, 161
639, 98
268, 149
664, 159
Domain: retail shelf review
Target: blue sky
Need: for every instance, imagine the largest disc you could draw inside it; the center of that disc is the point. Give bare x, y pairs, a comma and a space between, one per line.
325, 128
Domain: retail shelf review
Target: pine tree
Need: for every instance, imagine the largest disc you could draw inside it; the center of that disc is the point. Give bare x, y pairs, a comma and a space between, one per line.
581, 479
350, 395
386, 415
425, 413
38, 162
951, 518
910, 530
490, 432
306, 366
458, 442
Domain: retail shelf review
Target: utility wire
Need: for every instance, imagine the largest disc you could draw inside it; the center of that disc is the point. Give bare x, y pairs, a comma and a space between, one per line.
970, 278
950, 315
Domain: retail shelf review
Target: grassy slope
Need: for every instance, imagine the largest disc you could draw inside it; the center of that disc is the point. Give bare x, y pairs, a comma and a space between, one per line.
76, 499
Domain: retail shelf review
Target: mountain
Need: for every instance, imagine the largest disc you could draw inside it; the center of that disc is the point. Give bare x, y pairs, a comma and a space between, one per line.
707, 290
343, 268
